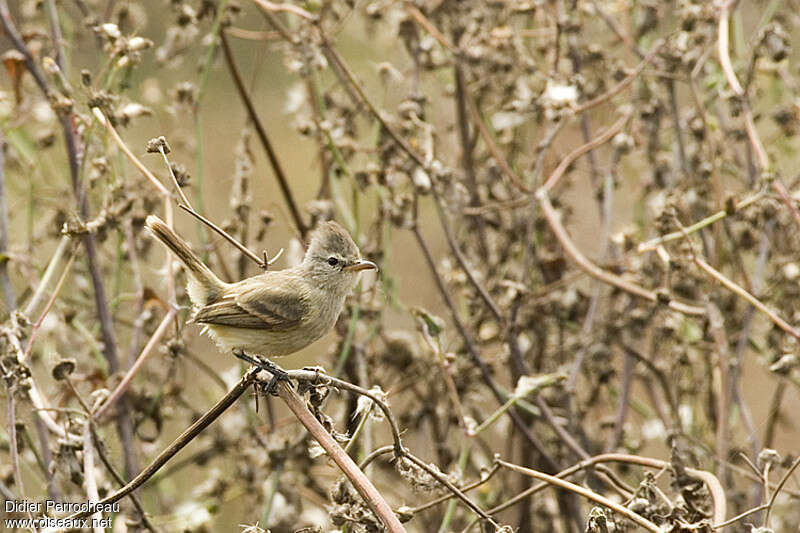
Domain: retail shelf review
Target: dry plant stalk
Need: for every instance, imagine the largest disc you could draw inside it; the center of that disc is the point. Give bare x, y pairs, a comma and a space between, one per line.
596, 200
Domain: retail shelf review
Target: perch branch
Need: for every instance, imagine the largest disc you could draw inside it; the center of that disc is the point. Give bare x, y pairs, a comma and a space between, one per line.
360, 481
182, 440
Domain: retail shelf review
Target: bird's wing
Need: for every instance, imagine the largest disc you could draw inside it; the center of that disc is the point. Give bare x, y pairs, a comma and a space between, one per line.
257, 306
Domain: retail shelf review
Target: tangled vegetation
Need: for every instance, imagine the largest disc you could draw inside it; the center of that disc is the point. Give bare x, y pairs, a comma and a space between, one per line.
586, 214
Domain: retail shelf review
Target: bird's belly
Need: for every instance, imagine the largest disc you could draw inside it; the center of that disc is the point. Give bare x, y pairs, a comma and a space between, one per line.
263, 342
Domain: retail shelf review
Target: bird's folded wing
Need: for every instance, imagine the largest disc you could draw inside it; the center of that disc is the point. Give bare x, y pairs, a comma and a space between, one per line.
256, 308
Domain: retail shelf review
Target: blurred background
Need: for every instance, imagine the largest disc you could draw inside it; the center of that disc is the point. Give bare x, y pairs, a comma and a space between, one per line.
639, 378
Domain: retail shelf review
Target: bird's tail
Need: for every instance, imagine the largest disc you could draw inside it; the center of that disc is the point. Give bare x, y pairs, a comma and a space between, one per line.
204, 286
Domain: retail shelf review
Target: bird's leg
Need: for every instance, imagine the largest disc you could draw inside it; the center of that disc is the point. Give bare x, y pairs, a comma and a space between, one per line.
278, 374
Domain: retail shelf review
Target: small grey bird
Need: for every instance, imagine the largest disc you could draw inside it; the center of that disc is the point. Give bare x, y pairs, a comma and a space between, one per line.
278, 312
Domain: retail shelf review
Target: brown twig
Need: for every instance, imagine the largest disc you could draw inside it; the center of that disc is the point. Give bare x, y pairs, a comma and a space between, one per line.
452, 488
8, 290
124, 425
423, 21
179, 443
315, 377
362, 484
262, 262
349, 77
739, 291
618, 88
146, 351
287, 8
127, 151
733, 81
579, 151
462, 261
466, 488
283, 183
588, 494
90, 482
596, 272
498, 156
716, 324
13, 450
774, 497
467, 159
98, 446
475, 355
47, 308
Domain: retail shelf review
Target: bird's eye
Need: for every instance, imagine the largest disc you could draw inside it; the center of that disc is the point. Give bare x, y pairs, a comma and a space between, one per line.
332, 261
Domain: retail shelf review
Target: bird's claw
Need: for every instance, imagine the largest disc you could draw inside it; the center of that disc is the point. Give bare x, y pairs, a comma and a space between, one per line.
278, 374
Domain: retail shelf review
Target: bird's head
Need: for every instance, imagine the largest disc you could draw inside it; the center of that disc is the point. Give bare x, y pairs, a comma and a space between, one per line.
333, 259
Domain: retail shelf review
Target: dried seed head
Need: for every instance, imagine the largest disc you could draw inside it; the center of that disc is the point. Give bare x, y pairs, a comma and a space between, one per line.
63, 369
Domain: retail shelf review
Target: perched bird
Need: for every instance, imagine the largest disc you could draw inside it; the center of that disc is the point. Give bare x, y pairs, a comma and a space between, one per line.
277, 312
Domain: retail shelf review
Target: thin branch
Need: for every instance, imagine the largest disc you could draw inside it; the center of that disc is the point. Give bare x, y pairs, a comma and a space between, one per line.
315, 377
452, 488
361, 482
462, 261
722, 48
262, 262
287, 8
41, 289
47, 457
8, 290
178, 189
618, 88
755, 302
47, 308
466, 488
652, 244
588, 494
336, 59
179, 443
716, 326
498, 156
124, 147
467, 159
90, 482
596, 272
710, 480
784, 479
738, 517
579, 151
98, 446
16, 39
733, 81
13, 450
283, 183
426, 24
475, 355
146, 351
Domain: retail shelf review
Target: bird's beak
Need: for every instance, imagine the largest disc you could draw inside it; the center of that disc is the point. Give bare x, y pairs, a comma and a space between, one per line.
361, 265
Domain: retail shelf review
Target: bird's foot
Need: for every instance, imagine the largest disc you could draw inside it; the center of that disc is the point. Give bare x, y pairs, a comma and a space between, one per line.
278, 374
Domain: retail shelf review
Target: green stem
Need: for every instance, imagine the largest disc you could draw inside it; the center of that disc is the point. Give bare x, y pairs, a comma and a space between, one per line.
348, 340
453, 503
719, 215
273, 489
361, 424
